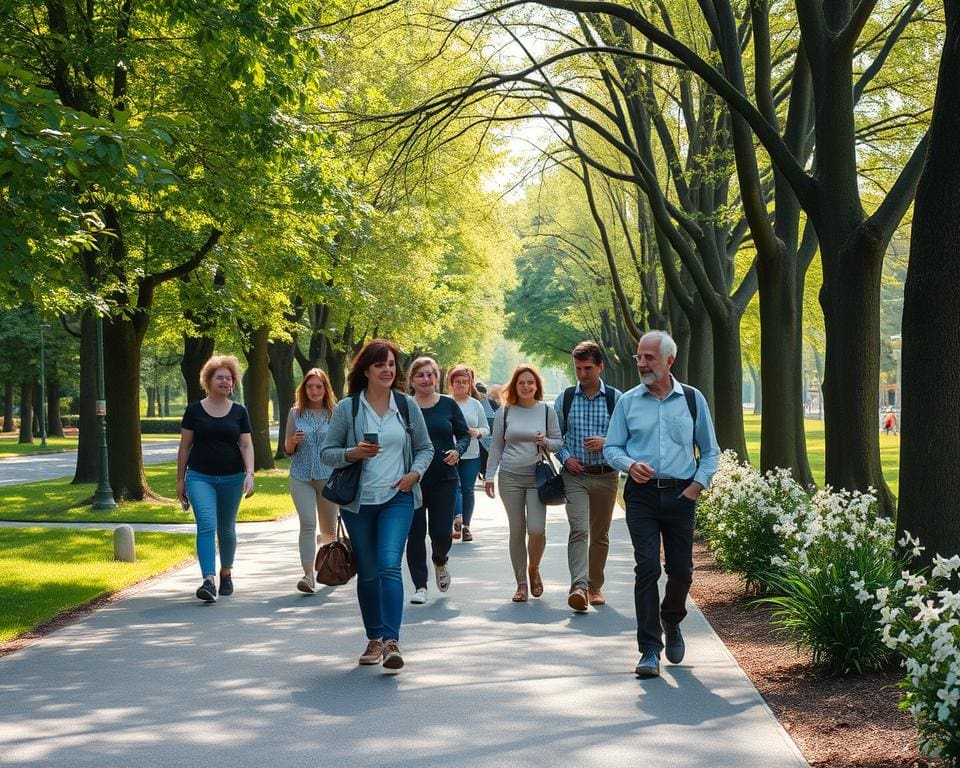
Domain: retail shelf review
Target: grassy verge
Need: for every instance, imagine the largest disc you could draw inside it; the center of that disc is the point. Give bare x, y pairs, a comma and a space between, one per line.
889, 450
10, 447
59, 501
44, 572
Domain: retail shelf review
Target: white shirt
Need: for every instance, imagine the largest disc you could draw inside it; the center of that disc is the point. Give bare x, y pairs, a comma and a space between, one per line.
476, 418
384, 469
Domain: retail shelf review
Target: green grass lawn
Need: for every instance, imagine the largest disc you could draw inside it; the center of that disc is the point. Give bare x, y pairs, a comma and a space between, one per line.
44, 572
889, 450
59, 501
10, 447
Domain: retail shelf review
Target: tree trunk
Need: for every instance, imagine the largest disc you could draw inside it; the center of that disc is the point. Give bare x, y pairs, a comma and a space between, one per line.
37, 400
54, 422
88, 456
8, 407
850, 298
196, 351
757, 391
121, 361
257, 396
26, 412
151, 402
782, 435
166, 399
700, 365
336, 361
930, 440
281, 354
727, 409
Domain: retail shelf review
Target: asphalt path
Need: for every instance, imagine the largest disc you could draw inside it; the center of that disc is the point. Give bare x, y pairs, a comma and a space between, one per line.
28, 469
268, 677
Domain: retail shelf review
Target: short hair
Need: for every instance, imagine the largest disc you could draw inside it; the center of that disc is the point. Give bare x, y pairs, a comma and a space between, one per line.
329, 399
219, 361
423, 362
668, 347
588, 350
374, 351
461, 369
510, 395
480, 387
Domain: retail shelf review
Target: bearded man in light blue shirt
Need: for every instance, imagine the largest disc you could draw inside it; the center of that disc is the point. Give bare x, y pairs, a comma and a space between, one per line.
656, 432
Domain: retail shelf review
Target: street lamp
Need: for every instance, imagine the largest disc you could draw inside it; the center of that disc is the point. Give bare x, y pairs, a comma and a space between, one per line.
43, 390
103, 496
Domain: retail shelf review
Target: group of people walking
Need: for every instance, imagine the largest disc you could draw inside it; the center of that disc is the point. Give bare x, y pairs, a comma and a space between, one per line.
421, 457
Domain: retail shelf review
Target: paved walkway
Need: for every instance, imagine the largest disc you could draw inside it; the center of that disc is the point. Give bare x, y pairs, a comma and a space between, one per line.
268, 677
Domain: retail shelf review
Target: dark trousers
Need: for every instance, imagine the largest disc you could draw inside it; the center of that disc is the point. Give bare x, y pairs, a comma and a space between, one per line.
655, 514
439, 500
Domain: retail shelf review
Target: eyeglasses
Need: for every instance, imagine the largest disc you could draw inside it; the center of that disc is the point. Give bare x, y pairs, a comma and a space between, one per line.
636, 358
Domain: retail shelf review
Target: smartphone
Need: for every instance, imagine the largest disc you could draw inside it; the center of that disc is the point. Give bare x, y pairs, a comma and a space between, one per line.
371, 437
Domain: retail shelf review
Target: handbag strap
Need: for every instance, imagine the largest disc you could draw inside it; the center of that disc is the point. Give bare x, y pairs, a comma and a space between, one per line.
341, 535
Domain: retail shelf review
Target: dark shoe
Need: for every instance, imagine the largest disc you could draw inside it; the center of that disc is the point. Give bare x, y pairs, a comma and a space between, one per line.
467, 536
207, 591
392, 660
226, 584
673, 642
596, 597
457, 527
578, 600
372, 654
649, 665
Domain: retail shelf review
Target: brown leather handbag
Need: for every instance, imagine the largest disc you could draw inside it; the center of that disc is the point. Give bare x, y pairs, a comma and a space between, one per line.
335, 564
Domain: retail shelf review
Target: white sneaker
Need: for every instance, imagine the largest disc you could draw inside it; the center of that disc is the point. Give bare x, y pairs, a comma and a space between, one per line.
419, 597
443, 578
307, 584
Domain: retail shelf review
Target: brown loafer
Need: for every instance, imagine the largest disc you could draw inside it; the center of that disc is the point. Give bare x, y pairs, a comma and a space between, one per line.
596, 597
578, 600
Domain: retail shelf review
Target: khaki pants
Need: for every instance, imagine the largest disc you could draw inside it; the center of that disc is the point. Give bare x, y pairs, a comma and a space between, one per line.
311, 506
526, 515
590, 500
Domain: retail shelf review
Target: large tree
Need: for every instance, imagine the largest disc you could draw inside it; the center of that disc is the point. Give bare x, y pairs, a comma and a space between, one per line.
930, 440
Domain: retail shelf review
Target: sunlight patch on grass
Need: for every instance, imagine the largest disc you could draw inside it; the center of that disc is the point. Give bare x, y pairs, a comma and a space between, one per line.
44, 572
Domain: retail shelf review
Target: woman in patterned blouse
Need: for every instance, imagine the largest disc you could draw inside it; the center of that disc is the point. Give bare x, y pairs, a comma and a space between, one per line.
307, 427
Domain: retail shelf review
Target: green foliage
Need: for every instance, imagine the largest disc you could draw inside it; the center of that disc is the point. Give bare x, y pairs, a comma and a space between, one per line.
44, 572
160, 426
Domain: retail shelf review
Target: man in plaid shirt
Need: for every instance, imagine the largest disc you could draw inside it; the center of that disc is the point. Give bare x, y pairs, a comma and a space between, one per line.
589, 485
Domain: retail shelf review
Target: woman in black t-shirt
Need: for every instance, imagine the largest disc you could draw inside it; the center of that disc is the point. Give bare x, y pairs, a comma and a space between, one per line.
440, 484
214, 469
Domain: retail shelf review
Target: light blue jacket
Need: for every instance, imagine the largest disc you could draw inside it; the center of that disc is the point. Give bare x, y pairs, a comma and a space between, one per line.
342, 436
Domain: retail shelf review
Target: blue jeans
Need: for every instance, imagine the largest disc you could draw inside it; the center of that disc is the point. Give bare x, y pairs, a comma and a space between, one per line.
378, 533
466, 500
215, 500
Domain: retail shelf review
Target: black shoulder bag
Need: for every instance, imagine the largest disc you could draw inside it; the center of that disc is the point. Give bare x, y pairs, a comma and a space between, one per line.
549, 483
343, 485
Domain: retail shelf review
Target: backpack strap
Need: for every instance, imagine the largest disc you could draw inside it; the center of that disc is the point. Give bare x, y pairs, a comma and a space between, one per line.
568, 394
404, 408
611, 394
690, 395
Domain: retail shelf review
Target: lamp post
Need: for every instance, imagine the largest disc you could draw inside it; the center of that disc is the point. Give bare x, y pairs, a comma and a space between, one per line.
103, 497
43, 390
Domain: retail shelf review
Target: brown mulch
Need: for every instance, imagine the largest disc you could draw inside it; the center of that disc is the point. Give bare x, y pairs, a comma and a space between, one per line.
838, 722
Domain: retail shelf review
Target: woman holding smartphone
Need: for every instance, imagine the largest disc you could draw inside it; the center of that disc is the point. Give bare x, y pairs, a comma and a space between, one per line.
214, 469
441, 484
307, 426
378, 519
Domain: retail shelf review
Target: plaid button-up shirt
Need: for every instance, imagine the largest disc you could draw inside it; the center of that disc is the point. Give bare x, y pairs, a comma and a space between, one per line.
588, 417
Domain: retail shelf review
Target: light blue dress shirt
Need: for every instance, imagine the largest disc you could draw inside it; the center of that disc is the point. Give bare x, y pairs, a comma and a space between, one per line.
660, 433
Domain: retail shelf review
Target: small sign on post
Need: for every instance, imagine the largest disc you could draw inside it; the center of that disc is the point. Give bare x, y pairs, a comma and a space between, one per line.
101, 408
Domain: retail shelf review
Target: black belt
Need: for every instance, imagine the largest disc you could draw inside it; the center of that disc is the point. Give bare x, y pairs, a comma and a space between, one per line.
598, 469
667, 482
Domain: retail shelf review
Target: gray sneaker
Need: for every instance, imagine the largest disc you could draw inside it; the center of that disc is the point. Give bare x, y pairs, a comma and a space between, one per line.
649, 665
443, 578
673, 640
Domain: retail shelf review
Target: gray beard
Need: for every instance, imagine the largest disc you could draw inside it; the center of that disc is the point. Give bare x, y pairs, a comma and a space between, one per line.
648, 378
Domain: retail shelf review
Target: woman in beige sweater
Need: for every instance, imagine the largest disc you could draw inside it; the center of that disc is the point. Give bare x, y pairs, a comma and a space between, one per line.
523, 428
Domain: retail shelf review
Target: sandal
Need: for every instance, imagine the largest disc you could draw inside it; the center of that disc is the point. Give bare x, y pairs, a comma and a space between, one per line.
536, 583
520, 596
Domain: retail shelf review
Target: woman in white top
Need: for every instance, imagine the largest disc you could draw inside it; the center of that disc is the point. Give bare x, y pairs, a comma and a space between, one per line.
523, 428
460, 383
307, 426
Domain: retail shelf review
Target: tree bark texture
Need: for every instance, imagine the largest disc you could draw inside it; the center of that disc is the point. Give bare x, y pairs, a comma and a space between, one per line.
196, 351
281, 354
930, 432
728, 387
257, 396
121, 364
26, 412
88, 456
8, 407
54, 422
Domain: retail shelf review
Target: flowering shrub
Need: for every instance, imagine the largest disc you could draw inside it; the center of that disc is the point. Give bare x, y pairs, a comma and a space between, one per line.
835, 549
920, 620
739, 513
